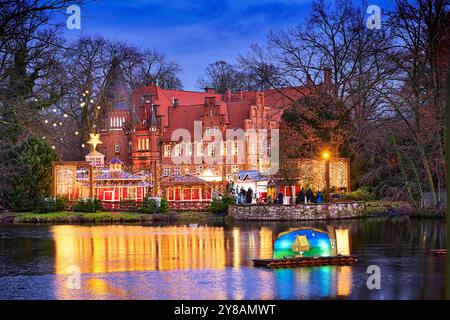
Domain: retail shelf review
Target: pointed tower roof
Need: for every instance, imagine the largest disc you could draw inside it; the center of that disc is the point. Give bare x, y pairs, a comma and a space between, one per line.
153, 119
116, 93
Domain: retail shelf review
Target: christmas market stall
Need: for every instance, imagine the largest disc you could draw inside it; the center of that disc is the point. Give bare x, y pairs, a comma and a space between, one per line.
189, 192
76, 180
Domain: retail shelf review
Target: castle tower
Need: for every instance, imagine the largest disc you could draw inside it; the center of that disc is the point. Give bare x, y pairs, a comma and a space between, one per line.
154, 150
115, 121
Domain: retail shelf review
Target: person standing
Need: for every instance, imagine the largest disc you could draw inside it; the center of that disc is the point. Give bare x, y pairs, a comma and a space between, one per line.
319, 197
249, 195
242, 195
280, 198
309, 195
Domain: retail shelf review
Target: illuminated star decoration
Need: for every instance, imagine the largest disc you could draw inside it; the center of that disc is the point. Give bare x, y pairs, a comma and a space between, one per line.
95, 140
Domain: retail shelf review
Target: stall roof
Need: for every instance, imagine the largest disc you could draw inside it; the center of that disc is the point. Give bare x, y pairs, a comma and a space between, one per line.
254, 175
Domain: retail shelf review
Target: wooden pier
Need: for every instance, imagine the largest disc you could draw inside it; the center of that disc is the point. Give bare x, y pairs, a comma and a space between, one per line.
305, 262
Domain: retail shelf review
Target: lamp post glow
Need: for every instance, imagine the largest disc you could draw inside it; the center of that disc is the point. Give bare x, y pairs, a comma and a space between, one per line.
326, 157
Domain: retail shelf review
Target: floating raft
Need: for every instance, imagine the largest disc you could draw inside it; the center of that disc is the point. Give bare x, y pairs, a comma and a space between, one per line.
305, 262
439, 252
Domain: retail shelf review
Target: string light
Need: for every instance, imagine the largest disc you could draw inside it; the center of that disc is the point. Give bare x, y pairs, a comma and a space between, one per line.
54, 124
82, 104
65, 115
92, 101
98, 107
76, 133
60, 123
83, 145
45, 121
53, 147
313, 172
54, 110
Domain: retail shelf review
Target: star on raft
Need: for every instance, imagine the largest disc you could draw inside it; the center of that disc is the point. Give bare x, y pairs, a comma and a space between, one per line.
95, 140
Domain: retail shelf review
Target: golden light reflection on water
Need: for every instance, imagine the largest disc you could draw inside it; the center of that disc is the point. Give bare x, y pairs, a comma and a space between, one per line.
103, 249
344, 280
108, 249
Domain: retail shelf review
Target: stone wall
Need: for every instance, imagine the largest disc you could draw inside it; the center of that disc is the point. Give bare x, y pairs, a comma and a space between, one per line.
298, 212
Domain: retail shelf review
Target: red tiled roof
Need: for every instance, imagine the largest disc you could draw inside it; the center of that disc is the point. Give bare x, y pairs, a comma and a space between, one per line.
235, 107
183, 117
237, 112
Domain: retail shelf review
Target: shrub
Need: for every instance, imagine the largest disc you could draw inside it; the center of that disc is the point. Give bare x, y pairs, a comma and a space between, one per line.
164, 206
220, 205
88, 205
149, 205
361, 194
47, 205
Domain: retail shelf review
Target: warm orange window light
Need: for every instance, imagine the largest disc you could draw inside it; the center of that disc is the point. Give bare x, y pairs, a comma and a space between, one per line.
325, 155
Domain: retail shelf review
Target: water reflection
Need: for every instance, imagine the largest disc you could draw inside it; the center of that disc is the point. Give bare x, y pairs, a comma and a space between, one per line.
318, 282
214, 261
103, 249
117, 249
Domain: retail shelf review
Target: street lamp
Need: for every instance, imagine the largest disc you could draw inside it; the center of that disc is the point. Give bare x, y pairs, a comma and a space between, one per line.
326, 156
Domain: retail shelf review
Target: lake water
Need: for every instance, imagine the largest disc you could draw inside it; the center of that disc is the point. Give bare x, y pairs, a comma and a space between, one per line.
214, 261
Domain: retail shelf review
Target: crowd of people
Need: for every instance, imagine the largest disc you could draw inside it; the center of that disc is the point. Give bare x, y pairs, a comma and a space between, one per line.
248, 196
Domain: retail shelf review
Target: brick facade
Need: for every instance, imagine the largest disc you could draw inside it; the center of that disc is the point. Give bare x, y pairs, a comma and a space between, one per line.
139, 130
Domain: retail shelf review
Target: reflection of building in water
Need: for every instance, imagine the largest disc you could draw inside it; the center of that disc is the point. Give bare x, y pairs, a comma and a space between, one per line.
107, 249
344, 280
134, 248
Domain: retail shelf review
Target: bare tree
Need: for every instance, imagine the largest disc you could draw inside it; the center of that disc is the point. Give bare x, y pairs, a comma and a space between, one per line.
221, 76
416, 94
143, 68
28, 53
224, 76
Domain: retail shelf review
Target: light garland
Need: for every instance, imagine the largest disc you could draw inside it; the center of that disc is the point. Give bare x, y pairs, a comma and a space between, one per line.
312, 173
55, 123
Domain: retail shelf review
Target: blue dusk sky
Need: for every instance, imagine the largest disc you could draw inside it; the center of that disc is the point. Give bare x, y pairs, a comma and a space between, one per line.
193, 33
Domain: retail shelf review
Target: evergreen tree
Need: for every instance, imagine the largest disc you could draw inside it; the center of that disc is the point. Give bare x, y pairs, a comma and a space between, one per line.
30, 177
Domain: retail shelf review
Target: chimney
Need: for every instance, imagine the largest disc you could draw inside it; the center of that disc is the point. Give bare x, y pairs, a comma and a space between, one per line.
175, 102
156, 82
228, 94
210, 90
327, 76
241, 95
210, 101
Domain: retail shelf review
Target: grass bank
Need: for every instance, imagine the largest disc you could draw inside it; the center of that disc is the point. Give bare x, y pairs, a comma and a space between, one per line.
106, 217
384, 207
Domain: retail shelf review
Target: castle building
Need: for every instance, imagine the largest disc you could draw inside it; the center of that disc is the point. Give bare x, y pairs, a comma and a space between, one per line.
167, 133
189, 146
